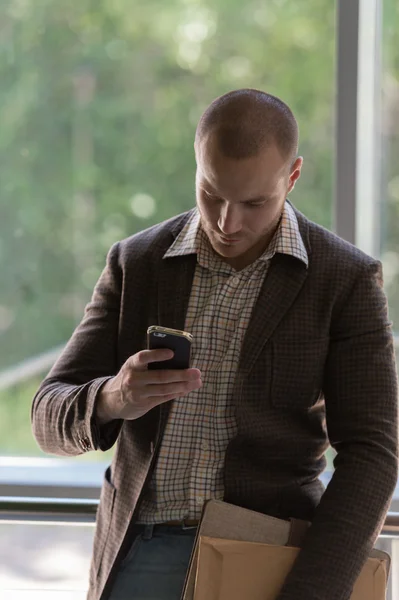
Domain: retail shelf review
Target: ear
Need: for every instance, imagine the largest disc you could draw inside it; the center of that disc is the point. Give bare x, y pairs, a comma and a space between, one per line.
295, 173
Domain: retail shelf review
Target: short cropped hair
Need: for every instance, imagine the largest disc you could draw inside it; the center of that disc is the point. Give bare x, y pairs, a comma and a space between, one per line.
247, 121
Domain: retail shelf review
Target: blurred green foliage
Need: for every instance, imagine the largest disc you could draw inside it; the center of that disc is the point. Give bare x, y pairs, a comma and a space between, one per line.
99, 101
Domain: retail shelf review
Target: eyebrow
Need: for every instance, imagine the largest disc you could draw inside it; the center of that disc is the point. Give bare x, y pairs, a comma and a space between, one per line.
249, 201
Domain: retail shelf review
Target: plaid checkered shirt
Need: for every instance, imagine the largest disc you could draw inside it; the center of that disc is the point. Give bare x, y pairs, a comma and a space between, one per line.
190, 463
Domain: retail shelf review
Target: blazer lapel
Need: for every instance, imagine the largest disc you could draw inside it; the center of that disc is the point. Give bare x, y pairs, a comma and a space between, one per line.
281, 286
174, 287
175, 279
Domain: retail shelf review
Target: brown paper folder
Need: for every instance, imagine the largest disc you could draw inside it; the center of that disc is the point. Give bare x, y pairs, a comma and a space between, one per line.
222, 520
229, 570
229, 522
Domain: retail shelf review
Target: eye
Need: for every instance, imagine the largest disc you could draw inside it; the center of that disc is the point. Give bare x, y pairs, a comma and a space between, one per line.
255, 204
211, 196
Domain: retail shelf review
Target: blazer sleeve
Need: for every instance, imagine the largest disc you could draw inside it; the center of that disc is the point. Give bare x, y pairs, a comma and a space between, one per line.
360, 389
63, 409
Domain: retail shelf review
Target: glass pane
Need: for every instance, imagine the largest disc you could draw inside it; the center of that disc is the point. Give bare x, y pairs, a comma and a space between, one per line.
49, 559
390, 148
390, 170
390, 173
99, 106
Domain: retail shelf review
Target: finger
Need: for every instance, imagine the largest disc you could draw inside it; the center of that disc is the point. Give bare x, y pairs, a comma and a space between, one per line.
156, 390
143, 358
172, 376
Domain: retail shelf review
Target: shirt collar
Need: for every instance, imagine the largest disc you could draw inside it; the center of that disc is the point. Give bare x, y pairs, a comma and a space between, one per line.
193, 240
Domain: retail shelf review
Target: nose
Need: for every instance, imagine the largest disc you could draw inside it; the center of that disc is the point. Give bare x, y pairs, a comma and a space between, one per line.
229, 220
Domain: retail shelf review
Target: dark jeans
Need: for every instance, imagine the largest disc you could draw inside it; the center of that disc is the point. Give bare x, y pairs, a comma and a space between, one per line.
156, 564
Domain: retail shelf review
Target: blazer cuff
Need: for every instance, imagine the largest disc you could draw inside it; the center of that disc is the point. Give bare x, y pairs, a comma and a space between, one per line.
92, 436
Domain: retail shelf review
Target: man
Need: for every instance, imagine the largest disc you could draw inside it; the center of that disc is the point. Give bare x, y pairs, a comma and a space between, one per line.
292, 350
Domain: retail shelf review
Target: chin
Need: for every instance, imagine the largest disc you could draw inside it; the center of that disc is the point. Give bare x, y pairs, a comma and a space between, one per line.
228, 251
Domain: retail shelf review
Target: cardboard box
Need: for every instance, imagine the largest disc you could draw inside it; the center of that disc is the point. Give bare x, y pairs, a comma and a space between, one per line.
232, 570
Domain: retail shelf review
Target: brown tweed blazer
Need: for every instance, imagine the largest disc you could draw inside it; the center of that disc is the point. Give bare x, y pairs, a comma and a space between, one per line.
317, 366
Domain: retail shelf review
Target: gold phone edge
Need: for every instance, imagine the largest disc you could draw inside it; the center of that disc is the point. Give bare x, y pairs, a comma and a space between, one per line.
178, 332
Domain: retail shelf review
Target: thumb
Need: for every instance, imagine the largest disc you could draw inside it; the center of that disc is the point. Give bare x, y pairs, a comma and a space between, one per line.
141, 360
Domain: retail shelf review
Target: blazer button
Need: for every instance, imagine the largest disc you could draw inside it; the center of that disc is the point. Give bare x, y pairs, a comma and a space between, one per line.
85, 444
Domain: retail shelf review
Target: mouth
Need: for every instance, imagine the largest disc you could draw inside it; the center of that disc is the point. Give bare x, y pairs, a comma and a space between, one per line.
228, 241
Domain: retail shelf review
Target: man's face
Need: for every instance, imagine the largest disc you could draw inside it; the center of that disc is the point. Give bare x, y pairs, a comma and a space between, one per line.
241, 201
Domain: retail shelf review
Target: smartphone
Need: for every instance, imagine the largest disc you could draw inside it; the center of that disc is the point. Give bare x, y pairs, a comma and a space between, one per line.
173, 339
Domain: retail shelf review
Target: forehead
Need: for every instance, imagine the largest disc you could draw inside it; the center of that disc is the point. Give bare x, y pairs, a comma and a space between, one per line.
235, 178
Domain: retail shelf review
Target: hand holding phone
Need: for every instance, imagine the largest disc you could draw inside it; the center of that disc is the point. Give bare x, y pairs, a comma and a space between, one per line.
137, 388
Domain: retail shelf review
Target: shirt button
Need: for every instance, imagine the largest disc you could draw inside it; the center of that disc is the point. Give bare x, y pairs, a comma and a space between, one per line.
205, 446
200, 499
236, 280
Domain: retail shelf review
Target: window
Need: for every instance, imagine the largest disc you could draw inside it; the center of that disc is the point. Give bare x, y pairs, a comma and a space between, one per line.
99, 106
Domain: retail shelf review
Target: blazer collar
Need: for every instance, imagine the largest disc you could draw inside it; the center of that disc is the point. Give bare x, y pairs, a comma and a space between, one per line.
177, 224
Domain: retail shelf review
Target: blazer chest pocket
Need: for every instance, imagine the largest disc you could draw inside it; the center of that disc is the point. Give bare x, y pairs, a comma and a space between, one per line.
297, 372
